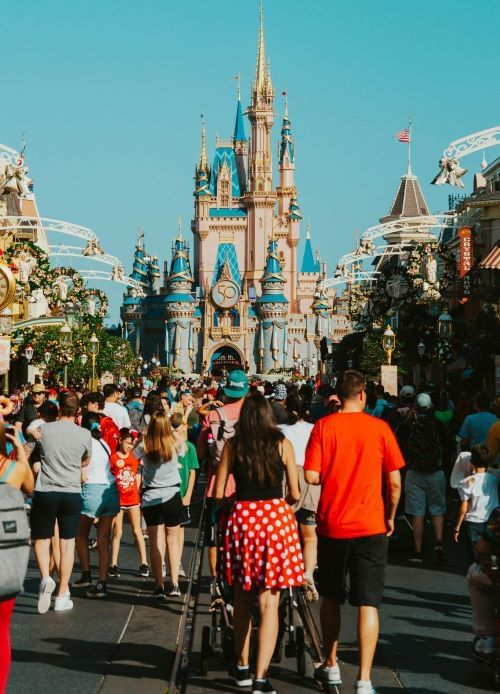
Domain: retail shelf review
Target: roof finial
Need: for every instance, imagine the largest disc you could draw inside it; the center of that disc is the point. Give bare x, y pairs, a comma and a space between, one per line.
261, 54
308, 232
140, 236
285, 94
179, 227
238, 83
203, 151
484, 163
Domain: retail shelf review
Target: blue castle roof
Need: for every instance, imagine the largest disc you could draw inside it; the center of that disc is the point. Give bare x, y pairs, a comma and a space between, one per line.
308, 262
226, 256
225, 155
286, 144
239, 126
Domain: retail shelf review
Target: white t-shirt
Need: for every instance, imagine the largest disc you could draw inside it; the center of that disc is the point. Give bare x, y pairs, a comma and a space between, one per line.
461, 469
481, 491
118, 414
298, 434
99, 471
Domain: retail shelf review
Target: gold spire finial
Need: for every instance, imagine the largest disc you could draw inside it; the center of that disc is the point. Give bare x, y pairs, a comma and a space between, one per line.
203, 151
260, 76
179, 227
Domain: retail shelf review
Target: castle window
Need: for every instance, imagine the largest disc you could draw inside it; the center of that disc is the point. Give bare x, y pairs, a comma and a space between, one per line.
224, 193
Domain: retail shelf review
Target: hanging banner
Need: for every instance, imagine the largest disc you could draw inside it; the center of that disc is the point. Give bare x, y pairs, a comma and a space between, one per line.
4, 356
465, 261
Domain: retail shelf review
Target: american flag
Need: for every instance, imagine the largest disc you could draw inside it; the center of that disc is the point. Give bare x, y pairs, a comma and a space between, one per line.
403, 135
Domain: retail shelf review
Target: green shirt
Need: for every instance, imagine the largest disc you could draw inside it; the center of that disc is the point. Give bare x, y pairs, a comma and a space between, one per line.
187, 462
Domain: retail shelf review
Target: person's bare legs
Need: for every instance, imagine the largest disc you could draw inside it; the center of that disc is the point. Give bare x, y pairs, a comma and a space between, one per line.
417, 526
173, 552
309, 547
117, 538
438, 523
67, 561
368, 628
330, 629
82, 542
103, 533
42, 555
268, 630
156, 538
55, 556
134, 515
181, 542
242, 623
212, 561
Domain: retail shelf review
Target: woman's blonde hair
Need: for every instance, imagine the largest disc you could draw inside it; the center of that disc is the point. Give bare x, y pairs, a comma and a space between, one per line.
159, 443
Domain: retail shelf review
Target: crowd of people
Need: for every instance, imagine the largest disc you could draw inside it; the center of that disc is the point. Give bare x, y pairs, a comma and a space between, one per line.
296, 498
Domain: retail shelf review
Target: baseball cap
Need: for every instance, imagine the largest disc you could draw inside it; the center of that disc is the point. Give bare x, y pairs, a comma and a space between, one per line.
38, 388
407, 392
423, 401
280, 391
236, 384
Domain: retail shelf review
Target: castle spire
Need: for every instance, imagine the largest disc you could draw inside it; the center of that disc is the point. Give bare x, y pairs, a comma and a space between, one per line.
260, 73
239, 127
203, 166
287, 145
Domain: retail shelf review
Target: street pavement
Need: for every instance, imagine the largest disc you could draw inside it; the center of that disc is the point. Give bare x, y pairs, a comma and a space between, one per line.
126, 643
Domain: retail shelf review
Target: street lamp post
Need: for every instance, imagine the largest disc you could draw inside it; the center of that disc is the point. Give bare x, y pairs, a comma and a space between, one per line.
445, 333
28, 353
94, 351
389, 343
65, 337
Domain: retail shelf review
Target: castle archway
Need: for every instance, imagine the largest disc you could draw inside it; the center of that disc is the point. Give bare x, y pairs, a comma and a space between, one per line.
226, 358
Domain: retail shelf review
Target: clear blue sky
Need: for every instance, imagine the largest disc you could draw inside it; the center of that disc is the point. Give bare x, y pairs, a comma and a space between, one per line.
110, 96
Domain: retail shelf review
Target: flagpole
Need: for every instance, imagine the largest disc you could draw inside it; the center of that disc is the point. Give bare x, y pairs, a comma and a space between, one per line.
409, 144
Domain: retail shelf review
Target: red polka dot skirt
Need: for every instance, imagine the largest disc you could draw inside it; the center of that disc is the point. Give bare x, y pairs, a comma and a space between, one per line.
262, 546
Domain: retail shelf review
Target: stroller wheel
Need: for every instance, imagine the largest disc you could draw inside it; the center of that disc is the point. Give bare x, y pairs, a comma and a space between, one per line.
300, 648
205, 649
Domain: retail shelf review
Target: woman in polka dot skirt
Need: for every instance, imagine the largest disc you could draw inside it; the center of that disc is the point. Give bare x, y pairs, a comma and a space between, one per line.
262, 546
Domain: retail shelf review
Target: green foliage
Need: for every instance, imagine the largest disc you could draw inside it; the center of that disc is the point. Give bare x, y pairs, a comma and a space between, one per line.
363, 351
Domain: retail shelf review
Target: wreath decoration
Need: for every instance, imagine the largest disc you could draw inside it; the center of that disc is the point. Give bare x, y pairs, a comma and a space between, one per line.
40, 275
102, 304
369, 305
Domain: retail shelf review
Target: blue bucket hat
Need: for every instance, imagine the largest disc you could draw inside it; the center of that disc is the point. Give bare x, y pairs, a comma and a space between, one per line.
236, 384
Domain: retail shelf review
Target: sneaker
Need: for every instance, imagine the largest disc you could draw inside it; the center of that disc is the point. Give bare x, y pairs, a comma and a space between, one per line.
63, 603
163, 570
84, 581
159, 594
182, 573
114, 571
47, 587
364, 687
439, 555
97, 591
328, 674
93, 543
310, 588
484, 645
416, 558
241, 675
263, 686
173, 591
143, 571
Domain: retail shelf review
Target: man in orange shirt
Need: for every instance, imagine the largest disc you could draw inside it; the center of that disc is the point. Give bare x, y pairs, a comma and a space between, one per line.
350, 454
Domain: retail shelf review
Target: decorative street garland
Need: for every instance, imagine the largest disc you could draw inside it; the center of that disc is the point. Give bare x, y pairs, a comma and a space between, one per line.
402, 285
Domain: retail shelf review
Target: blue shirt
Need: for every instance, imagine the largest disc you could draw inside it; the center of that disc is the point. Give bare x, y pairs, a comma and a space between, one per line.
379, 407
475, 427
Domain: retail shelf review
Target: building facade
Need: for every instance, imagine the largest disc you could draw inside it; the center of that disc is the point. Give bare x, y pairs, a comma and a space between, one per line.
245, 302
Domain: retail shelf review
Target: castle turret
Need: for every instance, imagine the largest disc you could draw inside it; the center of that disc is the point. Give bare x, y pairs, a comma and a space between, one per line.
286, 163
272, 309
179, 310
240, 145
154, 275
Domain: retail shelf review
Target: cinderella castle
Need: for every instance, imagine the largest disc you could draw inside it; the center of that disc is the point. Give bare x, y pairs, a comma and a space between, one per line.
242, 302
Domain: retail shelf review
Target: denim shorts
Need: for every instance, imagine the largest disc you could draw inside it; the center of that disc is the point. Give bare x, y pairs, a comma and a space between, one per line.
100, 500
305, 517
425, 490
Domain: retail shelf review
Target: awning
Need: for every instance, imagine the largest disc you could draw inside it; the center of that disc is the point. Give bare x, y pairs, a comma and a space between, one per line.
492, 260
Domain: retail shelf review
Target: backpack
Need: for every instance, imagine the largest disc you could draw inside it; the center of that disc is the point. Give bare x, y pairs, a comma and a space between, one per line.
423, 445
137, 422
221, 430
14, 537
110, 433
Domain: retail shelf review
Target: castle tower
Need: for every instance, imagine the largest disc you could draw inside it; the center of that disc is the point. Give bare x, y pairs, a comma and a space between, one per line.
272, 310
154, 275
179, 311
240, 145
140, 265
201, 223
260, 197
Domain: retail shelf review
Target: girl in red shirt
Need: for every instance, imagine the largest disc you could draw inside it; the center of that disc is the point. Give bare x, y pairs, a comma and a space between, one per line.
124, 466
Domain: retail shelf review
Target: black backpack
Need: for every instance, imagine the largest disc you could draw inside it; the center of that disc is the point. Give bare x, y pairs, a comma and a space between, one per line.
423, 446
